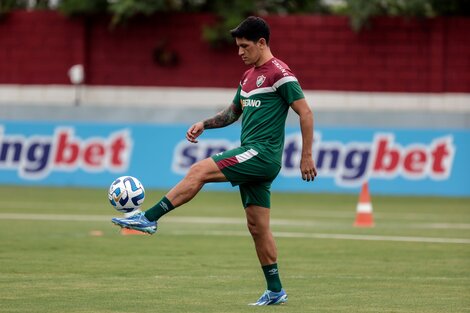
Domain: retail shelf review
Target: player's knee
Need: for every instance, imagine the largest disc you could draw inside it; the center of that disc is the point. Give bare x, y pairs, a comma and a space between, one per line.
204, 172
252, 229
255, 229
196, 172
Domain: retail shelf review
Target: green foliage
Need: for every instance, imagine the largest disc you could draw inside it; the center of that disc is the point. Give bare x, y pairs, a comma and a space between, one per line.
298, 6
451, 7
123, 10
8, 5
80, 7
230, 13
361, 11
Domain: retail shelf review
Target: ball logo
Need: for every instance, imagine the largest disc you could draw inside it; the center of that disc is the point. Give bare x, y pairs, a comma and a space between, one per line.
37, 156
117, 197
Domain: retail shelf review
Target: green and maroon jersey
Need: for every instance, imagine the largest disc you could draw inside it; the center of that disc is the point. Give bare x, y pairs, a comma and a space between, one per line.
265, 95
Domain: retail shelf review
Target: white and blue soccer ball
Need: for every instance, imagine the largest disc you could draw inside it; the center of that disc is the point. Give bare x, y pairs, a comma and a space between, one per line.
126, 194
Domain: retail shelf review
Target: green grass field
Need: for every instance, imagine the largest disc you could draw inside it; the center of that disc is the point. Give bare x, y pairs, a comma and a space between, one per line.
60, 253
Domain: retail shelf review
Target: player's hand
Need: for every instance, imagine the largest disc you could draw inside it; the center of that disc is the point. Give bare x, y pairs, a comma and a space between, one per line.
194, 131
308, 169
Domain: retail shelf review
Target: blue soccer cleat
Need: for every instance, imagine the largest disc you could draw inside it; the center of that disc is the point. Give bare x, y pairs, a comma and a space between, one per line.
271, 298
138, 222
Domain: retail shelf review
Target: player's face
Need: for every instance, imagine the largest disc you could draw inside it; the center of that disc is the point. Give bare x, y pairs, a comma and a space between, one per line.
248, 50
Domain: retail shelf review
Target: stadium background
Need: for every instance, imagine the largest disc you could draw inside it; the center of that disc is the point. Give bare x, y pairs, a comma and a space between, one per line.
391, 101
405, 79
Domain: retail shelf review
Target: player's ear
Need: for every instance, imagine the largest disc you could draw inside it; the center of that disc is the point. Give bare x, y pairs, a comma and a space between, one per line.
261, 42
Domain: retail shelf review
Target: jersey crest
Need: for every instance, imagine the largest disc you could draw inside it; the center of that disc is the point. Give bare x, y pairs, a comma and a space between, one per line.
266, 78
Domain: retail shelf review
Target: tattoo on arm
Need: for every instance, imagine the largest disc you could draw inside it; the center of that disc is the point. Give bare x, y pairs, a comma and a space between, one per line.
223, 118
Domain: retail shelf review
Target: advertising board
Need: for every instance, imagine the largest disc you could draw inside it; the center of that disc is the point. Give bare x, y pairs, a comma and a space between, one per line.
393, 161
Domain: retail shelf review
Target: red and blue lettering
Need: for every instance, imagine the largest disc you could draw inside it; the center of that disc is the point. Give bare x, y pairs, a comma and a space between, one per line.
351, 163
37, 156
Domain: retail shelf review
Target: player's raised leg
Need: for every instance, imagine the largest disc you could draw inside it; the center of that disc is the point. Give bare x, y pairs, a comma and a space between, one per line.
199, 174
258, 225
205, 171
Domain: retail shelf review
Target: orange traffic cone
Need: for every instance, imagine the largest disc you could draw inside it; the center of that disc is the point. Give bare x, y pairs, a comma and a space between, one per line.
126, 231
364, 209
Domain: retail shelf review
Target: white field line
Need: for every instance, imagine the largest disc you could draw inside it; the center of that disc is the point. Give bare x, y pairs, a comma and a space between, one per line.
330, 236
18, 204
441, 226
235, 221
211, 220
409, 216
54, 217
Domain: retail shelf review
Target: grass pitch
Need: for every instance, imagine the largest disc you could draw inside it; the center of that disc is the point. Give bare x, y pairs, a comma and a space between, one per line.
60, 253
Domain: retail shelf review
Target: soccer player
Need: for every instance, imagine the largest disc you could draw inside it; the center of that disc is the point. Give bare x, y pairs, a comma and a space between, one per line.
266, 92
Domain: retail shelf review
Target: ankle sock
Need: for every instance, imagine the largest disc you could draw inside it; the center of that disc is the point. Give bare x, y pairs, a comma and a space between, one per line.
158, 210
273, 280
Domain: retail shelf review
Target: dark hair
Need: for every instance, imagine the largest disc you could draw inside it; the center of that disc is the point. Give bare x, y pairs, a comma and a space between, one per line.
252, 28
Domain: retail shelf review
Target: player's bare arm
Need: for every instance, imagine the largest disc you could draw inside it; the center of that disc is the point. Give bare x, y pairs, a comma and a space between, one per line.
307, 165
221, 119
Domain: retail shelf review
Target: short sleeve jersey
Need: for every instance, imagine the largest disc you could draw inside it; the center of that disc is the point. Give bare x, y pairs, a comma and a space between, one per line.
265, 95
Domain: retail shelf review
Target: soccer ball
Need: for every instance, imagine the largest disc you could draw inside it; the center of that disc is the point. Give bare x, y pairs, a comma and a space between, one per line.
126, 194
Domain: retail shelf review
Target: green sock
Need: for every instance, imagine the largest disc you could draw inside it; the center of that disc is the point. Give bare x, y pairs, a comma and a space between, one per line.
158, 210
271, 274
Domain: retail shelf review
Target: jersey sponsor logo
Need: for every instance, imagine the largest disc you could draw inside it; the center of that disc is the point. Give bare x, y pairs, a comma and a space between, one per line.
36, 156
349, 164
260, 80
250, 103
